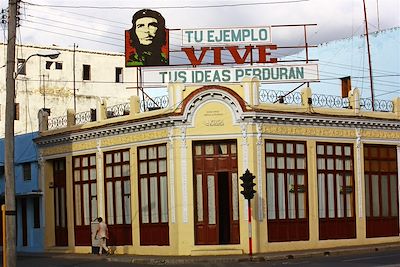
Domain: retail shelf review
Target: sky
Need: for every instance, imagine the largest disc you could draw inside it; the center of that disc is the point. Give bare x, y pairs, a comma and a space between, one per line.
100, 24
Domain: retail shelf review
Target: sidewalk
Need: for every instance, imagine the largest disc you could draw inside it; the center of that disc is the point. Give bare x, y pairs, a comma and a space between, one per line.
176, 260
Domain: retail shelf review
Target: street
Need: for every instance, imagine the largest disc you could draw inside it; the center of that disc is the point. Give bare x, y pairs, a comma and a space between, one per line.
378, 258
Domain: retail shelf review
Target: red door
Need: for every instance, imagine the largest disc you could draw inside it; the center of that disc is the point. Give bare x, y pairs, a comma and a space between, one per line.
60, 201
215, 184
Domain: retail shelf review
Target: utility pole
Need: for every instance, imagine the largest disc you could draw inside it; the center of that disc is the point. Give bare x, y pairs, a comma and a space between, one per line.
9, 138
74, 78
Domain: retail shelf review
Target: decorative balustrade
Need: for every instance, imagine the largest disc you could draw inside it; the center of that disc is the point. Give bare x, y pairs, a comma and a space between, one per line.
57, 122
272, 96
84, 117
118, 110
329, 101
379, 105
157, 102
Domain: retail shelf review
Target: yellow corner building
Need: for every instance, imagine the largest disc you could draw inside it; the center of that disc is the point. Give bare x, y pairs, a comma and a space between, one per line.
167, 181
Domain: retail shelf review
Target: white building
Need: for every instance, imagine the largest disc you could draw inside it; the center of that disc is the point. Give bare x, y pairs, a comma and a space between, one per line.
49, 83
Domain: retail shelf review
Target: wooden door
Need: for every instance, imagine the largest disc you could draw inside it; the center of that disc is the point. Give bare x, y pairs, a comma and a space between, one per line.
216, 192
60, 203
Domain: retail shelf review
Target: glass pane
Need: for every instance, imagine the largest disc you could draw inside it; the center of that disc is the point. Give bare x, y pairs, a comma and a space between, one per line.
320, 149
78, 208
291, 197
347, 150
348, 164
127, 203
127, 187
290, 163
321, 196
367, 197
281, 196
339, 164
125, 170
117, 171
162, 151
62, 208
152, 152
125, 156
153, 166
271, 195
281, 162
85, 162
331, 196
300, 148
92, 160
375, 196
77, 162
223, 149
289, 148
154, 200
77, 175
94, 208
93, 189
199, 199
143, 167
118, 202
108, 158
301, 163
85, 175
279, 148
340, 194
330, 164
93, 174
270, 163
108, 172
211, 199
233, 149
321, 164
349, 196
235, 200
338, 150
162, 166
197, 150
144, 200
209, 149
384, 194
269, 148
301, 195
329, 150
117, 157
110, 204
164, 199
393, 194
86, 209
142, 154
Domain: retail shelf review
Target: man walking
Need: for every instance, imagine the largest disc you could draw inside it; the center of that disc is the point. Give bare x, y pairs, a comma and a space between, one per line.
102, 233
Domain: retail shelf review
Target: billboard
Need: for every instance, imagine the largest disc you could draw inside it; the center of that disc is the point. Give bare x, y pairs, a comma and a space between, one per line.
146, 43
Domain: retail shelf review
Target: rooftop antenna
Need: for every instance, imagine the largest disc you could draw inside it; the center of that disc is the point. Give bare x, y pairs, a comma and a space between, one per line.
369, 58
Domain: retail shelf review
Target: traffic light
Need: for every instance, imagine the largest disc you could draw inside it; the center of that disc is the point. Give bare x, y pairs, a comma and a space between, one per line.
248, 185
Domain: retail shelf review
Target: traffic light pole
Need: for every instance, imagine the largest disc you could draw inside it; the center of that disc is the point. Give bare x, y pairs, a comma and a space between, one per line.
250, 229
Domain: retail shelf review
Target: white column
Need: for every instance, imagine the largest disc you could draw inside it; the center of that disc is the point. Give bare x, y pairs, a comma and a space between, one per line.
358, 173
184, 175
171, 174
100, 182
245, 166
259, 172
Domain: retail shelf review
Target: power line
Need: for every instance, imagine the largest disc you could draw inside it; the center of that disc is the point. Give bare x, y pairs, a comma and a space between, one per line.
169, 7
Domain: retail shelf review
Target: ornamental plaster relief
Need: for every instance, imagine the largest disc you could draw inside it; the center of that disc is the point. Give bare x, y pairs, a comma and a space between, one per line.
135, 137
307, 131
62, 149
380, 134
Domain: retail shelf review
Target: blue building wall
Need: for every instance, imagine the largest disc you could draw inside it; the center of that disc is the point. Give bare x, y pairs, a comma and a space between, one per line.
26, 191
